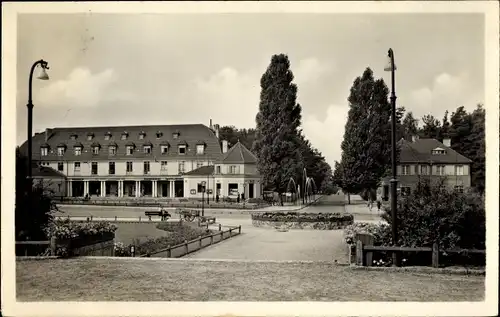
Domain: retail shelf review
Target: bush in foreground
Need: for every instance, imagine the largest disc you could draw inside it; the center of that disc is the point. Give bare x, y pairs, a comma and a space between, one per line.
302, 217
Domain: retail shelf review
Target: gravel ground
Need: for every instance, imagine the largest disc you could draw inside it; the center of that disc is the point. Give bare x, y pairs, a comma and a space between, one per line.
122, 279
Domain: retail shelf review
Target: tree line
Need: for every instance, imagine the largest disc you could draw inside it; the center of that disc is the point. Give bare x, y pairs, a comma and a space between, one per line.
366, 147
282, 150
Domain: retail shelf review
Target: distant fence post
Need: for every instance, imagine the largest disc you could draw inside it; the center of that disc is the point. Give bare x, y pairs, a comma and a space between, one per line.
53, 245
199, 241
186, 246
435, 255
169, 252
230, 232
221, 235
239, 229
220, 227
116, 218
139, 218
211, 239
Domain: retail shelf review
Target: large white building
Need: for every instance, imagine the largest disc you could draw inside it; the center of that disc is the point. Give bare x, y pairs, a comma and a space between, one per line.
170, 161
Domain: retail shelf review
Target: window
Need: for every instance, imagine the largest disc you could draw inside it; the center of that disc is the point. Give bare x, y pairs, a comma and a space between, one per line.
163, 165
459, 188
94, 168
438, 151
405, 169
232, 189
201, 188
405, 191
159, 134
78, 151
182, 149
164, 149
218, 169
73, 137
175, 135
112, 150
107, 136
60, 151
95, 150
200, 149
147, 149
124, 136
60, 166
129, 167
90, 137
130, 150
111, 170
142, 135
44, 151
440, 169
146, 168
233, 169
199, 164
424, 170
181, 167
76, 167
459, 170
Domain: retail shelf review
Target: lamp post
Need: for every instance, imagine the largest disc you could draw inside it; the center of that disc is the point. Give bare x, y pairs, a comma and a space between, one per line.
394, 182
203, 186
43, 76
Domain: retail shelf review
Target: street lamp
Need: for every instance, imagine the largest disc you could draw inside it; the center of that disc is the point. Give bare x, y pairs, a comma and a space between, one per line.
394, 182
203, 184
43, 76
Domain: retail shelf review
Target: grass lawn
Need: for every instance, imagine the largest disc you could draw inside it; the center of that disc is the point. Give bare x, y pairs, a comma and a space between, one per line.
122, 279
127, 232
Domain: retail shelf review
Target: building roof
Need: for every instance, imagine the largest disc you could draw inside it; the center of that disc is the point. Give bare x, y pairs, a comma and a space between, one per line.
189, 134
201, 171
420, 151
238, 154
46, 172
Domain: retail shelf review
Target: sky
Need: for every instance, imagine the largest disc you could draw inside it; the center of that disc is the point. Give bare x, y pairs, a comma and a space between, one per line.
142, 69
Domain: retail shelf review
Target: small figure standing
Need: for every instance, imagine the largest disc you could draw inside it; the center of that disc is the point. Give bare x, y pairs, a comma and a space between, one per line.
238, 198
217, 198
379, 204
370, 204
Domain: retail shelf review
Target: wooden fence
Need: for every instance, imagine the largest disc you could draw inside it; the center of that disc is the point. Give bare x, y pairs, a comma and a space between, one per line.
23, 247
365, 249
95, 246
199, 243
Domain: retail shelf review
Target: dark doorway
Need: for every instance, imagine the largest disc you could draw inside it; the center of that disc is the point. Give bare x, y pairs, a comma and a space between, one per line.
385, 193
164, 189
250, 190
94, 188
217, 188
179, 188
77, 189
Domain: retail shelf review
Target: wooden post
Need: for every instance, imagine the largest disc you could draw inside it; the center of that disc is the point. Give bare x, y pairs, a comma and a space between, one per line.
186, 246
211, 239
239, 229
435, 255
200, 241
221, 235
116, 218
366, 239
230, 232
139, 218
220, 227
359, 253
169, 252
52, 245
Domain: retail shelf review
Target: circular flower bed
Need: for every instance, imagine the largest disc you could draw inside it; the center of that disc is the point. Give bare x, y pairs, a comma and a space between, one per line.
295, 220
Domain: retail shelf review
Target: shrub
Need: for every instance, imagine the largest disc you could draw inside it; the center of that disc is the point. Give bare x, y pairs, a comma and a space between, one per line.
302, 217
66, 229
432, 213
381, 232
121, 250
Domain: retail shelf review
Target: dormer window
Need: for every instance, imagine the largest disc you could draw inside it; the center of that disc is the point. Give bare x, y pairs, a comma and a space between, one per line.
176, 135
107, 136
61, 149
200, 149
147, 148
90, 136
95, 150
73, 136
142, 135
112, 150
182, 149
438, 151
78, 149
129, 147
159, 134
44, 150
124, 135
164, 147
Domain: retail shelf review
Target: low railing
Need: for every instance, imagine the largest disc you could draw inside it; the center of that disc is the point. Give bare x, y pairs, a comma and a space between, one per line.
22, 247
365, 249
194, 245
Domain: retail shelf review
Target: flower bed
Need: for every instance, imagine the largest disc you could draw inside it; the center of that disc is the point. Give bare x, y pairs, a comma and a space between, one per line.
295, 220
178, 233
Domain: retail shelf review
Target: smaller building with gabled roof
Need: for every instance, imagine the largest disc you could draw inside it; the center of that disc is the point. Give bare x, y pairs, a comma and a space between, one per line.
235, 173
428, 159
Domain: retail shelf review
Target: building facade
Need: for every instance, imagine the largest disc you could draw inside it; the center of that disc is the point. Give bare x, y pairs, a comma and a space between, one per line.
140, 161
428, 159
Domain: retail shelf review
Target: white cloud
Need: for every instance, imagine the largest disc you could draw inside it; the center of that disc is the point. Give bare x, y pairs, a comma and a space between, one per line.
82, 89
309, 70
326, 134
447, 92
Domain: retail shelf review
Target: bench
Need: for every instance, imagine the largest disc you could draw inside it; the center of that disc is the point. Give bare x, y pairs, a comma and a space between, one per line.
162, 213
208, 219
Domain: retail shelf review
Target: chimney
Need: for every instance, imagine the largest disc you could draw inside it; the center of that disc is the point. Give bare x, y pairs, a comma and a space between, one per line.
414, 138
447, 142
210, 124
46, 135
224, 146
216, 127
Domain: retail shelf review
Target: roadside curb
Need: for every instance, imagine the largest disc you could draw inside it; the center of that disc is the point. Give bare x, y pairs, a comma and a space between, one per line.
423, 270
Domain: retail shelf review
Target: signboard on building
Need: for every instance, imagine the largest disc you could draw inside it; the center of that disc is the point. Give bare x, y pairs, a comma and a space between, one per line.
193, 191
